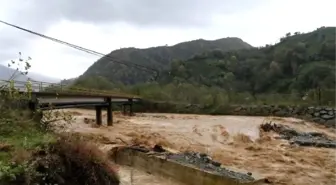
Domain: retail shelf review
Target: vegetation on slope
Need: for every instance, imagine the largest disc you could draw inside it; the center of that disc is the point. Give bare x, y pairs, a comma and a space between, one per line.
300, 69
155, 57
301, 62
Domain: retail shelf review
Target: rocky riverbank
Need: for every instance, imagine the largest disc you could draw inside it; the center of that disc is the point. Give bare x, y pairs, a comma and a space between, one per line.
314, 139
321, 115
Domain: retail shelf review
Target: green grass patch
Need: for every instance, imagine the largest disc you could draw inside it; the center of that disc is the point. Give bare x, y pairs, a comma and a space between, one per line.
5, 156
22, 136
17, 143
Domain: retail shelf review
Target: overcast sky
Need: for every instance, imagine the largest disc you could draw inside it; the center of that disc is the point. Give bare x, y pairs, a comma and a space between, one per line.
106, 25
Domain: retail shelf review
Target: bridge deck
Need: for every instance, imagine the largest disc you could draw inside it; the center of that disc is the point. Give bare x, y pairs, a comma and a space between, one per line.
44, 89
85, 94
47, 95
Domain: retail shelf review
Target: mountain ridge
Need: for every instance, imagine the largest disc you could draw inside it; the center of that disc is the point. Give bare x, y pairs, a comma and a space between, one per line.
6, 73
158, 57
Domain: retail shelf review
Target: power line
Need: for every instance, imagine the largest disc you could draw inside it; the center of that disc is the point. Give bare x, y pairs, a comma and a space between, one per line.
113, 59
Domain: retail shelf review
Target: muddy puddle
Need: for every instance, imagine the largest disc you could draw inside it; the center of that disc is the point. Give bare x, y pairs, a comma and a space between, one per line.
234, 141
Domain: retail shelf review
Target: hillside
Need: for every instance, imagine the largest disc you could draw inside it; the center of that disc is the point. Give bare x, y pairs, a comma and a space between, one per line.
6, 73
298, 63
43, 78
69, 81
280, 73
155, 57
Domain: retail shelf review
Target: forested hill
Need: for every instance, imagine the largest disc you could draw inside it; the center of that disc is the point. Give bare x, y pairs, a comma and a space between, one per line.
284, 72
155, 57
300, 62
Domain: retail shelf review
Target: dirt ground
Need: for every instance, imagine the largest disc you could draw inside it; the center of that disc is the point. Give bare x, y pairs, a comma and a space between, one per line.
235, 141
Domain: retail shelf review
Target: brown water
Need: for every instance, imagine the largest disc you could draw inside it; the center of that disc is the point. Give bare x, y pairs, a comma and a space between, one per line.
235, 141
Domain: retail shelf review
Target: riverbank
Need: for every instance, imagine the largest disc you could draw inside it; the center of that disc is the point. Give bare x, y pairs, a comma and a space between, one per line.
30, 155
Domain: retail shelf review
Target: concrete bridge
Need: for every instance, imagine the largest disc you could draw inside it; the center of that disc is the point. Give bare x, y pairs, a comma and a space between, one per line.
46, 96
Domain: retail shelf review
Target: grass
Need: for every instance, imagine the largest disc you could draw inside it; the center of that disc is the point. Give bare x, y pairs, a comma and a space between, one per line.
25, 148
84, 159
18, 141
25, 136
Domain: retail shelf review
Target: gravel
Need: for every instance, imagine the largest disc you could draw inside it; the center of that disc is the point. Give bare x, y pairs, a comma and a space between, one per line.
313, 139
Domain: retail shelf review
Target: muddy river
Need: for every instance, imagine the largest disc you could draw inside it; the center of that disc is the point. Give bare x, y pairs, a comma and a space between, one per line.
235, 141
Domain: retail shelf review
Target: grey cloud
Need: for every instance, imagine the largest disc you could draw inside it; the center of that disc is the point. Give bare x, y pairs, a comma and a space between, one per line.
179, 13
12, 42
38, 15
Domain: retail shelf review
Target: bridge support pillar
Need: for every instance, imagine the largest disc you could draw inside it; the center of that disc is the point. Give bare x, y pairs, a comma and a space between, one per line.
109, 112
123, 109
130, 106
98, 115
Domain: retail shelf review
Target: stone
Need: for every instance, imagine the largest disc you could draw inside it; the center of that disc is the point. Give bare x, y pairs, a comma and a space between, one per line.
280, 113
328, 109
306, 116
323, 112
310, 111
316, 114
215, 163
327, 117
318, 120
331, 112
330, 123
238, 109
158, 148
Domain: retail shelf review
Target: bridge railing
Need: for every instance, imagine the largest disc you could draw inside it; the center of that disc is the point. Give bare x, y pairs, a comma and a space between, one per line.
21, 85
38, 86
